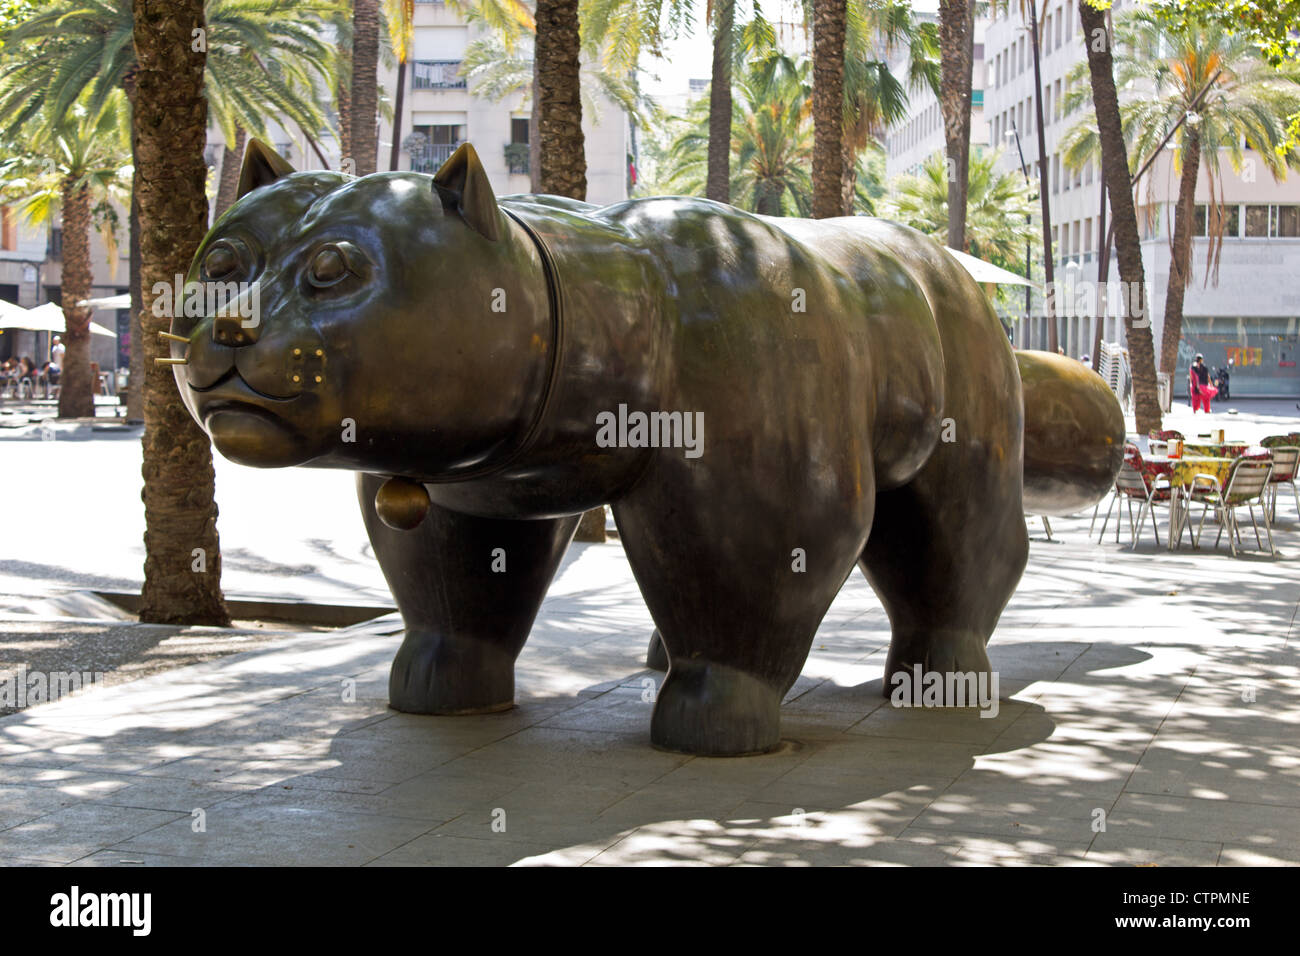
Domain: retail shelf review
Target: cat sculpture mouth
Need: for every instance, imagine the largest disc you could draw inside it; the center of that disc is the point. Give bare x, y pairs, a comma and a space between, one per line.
244, 429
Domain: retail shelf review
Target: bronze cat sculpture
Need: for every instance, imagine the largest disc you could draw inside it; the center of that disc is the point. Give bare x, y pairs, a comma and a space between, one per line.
763, 402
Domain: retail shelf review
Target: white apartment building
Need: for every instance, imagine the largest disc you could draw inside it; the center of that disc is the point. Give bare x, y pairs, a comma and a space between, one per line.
910, 143
443, 107
1252, 314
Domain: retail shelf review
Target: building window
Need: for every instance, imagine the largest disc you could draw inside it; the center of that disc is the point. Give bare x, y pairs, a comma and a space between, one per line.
436, 75
1287, 221
698, 86
1257, 221
439, 142
55, 249
1231, 220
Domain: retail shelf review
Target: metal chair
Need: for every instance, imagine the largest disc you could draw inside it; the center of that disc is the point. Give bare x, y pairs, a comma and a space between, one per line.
1247, 483
1131, 485
1285, 461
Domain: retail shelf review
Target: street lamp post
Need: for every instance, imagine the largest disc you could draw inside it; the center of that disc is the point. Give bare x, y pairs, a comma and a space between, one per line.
1029, 248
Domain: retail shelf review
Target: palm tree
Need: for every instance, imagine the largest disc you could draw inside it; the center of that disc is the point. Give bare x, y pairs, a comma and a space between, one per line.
182, 581
260, 61
723, 13
957, 49
999, 205
558, 43
1214, 92
364, 88
400, 16
771, 141
1097, 41
78, 162
874, 98
829, 25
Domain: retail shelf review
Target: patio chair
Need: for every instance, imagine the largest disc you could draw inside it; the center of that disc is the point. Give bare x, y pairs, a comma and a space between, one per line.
1131, 450
1285, 462
1247, 483
1131, 485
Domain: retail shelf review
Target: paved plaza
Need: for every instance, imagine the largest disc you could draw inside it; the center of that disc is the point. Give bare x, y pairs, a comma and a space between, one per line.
1149, 711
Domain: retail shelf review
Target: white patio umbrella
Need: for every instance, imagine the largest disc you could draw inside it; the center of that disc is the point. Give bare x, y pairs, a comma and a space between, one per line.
111, 302
986, 273
49, 318
11, 315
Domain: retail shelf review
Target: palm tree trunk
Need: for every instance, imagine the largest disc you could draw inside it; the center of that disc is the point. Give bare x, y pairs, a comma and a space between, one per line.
1119, 186
231, 162
535, 133
769, 198
718, 187
956, 63
848, 176
563, 152
828, 107
135, 380
1180, 265
365, 85
182, 569
561, 148
399, 102
76, 392
344, 98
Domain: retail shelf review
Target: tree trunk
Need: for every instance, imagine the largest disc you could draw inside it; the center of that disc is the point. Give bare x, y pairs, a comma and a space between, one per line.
399, 102
1180, 262
76, 391
848, 176
535, 134
135, 366
956, 63
769, 198
561, 148
182, 569
563, 153
231, 162
1128, 246
365, 85
828, 107
1049, 254
345, 110
718, 187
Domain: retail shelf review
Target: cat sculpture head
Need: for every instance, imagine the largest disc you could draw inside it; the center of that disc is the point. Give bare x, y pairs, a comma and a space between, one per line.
396, 323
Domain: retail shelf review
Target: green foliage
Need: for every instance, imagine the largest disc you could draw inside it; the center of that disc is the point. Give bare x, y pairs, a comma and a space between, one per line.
80, 146
1000, 207
264, 57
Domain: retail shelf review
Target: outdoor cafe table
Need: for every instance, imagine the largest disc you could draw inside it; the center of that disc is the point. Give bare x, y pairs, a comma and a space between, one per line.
1213, 449
1181, 472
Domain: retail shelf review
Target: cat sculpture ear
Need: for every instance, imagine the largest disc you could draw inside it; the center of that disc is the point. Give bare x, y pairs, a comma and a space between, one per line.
262, 166
463, 188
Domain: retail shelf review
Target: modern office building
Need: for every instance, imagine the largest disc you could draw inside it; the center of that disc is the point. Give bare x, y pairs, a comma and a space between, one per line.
1250, 315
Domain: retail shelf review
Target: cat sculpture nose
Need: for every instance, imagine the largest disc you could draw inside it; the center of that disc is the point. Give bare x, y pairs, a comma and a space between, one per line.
235, 330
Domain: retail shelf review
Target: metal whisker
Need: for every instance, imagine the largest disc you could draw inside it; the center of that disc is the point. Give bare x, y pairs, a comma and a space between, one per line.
173, 338
171, 361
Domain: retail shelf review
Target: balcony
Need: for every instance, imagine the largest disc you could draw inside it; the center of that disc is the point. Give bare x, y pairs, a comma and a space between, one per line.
517, 158
436, 75
429, 159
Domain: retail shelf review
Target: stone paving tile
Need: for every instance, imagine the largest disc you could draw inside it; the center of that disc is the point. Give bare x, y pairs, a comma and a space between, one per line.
442, 849
272, 835
1139, 815
1266, 772
1119, 850
72, 832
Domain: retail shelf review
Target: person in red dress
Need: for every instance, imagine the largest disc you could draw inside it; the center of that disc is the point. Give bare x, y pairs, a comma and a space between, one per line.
1198, 384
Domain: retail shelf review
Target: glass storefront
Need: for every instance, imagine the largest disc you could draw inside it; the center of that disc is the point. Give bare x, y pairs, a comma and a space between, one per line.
1263, 352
